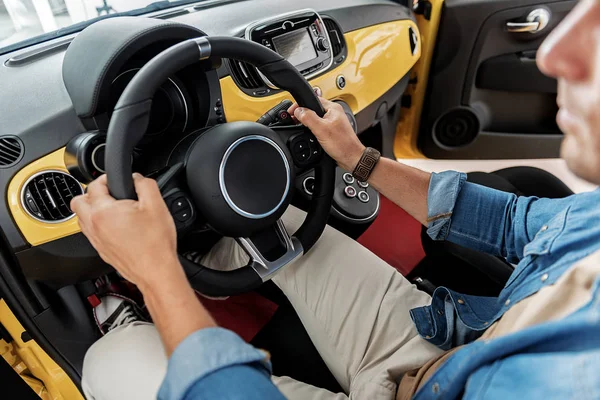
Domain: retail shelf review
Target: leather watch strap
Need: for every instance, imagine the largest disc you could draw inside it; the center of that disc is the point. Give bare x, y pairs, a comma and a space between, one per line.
366, 165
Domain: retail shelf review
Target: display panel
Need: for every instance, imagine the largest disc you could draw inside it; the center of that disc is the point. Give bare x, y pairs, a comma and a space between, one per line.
297, 47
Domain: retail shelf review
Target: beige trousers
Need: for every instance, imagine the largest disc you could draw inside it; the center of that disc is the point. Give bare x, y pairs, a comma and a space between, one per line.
354, 306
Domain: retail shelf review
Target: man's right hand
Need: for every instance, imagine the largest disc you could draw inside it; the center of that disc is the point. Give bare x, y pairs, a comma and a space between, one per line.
333, 131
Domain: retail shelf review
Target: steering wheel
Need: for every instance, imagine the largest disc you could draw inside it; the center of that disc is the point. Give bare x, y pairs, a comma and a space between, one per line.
240, 175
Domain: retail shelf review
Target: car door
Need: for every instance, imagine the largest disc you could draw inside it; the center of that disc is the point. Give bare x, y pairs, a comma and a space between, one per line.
485, 97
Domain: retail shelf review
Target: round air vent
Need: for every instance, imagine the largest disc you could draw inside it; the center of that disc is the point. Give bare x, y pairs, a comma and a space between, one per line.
457, 128
47, 195
11, 151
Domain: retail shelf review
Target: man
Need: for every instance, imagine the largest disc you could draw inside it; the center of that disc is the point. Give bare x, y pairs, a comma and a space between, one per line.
539, 339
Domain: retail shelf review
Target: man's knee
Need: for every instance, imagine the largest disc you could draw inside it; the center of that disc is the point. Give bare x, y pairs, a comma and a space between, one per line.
129, 362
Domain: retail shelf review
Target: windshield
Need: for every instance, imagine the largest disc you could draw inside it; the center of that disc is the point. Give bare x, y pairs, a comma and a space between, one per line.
26, 22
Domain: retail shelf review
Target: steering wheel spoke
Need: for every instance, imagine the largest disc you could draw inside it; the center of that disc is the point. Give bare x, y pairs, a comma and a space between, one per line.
271, 250
303, 145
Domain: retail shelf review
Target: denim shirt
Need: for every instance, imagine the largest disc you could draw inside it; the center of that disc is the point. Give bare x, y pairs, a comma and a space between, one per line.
543, 237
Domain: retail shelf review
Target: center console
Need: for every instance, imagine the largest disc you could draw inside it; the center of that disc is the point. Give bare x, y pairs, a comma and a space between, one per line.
300, 37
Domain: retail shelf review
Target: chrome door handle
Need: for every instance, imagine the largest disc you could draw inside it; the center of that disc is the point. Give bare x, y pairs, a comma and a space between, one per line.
535, 22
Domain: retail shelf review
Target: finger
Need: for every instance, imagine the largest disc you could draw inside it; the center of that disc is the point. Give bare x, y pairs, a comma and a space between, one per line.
82, 208
147, 190
98, 189
293, 108
308, 118
327, 104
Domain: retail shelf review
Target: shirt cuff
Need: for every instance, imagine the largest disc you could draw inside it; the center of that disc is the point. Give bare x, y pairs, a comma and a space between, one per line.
441, 199
204, 352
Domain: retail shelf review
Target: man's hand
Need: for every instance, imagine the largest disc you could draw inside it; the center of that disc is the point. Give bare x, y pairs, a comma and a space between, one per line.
333, 131
138, 238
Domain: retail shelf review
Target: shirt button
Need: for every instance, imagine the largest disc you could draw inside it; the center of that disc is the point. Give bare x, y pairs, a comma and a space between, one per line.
545, 227
507, 302
461, 301
436, 388
544, 277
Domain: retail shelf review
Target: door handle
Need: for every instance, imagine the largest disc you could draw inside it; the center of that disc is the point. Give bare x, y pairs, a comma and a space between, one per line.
535, 22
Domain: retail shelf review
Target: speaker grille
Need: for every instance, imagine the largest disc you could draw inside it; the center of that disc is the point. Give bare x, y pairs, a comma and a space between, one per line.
47, 196
456, 128
11, 151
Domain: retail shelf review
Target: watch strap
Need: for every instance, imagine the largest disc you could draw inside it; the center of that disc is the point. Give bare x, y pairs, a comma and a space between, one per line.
366, 164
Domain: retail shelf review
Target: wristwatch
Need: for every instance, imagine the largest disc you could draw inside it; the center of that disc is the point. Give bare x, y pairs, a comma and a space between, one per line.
366, 164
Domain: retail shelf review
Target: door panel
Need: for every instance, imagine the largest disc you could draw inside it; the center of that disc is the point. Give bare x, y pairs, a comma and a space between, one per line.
486, 98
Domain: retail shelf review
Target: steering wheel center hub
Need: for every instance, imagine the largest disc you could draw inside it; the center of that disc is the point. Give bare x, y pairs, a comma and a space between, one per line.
254, 177
240, 175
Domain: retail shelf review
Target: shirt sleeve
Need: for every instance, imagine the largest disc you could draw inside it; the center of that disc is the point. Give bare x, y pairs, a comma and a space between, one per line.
208, 357
485, 219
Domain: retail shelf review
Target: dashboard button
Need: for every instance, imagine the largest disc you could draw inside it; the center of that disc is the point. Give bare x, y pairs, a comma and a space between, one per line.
348, 178
364, 197
340, 82
350, 192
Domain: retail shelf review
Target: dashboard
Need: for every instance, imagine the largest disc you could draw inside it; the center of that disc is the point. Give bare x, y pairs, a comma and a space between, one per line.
58, 96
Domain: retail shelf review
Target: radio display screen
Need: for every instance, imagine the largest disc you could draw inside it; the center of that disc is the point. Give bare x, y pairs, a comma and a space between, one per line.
297, 47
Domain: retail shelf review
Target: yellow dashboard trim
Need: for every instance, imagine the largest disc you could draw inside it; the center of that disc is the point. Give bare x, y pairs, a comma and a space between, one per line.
378, 57
34, 231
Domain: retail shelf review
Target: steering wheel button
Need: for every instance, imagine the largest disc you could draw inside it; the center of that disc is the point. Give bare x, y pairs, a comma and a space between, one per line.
179, 204
363, 185
300, 147
184, 215
364, 197
349, 179
350, 192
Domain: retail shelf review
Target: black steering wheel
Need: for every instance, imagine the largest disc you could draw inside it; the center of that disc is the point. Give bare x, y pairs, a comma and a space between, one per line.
240, 175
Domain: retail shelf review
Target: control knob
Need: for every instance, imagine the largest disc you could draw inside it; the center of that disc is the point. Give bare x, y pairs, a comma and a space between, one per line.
322, 44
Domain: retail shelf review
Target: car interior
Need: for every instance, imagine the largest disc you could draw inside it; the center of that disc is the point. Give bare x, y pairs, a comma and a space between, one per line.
187, 93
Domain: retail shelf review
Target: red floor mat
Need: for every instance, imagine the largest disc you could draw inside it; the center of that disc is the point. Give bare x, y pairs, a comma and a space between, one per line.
246, 314
394, 236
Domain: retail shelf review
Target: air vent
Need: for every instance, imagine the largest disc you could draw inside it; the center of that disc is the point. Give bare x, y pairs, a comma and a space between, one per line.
245, 75
11, 151
336, 36
47, 196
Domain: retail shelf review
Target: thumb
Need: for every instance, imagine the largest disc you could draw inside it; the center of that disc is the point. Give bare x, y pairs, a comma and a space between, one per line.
146, 189
308, 118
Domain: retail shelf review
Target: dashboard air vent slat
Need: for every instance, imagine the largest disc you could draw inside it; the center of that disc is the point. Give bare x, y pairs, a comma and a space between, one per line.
336, 36
47, 196
11, 151
245, 74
